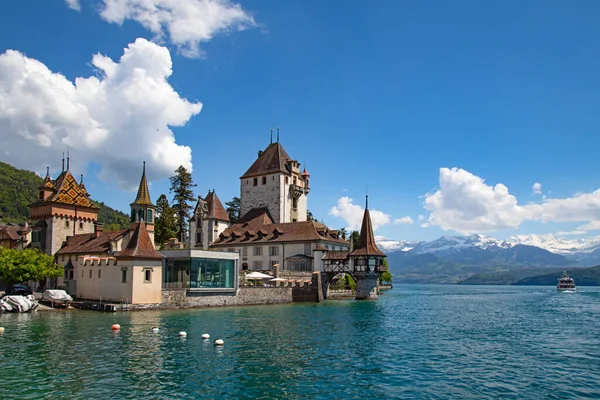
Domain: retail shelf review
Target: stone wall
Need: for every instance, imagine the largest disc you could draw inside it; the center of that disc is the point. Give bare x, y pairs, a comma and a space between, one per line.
267, 195
178, 298
309, 291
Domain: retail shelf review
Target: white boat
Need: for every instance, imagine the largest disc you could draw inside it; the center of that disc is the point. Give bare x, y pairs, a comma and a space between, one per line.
20, 304
57, 297
566, 283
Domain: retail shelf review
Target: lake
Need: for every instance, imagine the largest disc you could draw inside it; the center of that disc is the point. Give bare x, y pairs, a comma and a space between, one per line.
425, 341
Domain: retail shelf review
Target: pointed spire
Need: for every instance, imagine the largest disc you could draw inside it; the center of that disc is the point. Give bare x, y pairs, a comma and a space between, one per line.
47, 172
366, 243
271, 136
277, 134
68, 158
63, 162
143, 194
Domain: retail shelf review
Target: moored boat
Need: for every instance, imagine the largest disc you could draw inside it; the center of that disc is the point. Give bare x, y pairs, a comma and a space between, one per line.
566, 283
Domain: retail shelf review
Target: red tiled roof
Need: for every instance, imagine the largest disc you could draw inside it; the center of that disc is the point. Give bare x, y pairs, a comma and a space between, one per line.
140, 245
273, 233
366, 244
14, 232
88, 243
272, 160
336, 255
215, 207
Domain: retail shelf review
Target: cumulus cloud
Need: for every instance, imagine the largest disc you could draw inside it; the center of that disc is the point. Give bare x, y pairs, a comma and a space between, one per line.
186, 23
115, 119
353, 214
403, 221
536, 188
465, 203
74, 4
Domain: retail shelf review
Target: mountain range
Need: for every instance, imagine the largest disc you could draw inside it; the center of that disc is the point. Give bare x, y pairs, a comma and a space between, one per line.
480, 259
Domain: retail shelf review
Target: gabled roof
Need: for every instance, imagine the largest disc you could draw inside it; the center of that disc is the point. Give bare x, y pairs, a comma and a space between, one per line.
366, 244
143, 194
14, 232
88, 243
67, 191
140, 245
272, 160
258, 221
215, 207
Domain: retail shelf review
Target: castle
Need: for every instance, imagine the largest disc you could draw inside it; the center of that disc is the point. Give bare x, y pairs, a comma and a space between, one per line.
273, 231
113, 266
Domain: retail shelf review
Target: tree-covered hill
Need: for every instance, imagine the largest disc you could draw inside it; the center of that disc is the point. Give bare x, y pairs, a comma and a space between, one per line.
18, 189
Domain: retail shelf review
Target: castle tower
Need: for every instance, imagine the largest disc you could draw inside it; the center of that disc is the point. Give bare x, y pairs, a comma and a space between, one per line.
208, 221
142, 208
274, 181
367, 260
63, 209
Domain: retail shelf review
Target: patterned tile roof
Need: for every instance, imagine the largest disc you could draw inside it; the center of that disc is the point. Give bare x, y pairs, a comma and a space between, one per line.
272, 160
67, 191
143, 194
140, 245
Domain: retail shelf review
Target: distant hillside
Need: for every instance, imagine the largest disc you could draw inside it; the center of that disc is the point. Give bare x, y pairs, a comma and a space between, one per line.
18, 189
474, 259
581, 276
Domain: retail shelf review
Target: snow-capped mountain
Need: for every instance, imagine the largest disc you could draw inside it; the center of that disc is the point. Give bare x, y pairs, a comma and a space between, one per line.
558, 245
452, 244
389, 245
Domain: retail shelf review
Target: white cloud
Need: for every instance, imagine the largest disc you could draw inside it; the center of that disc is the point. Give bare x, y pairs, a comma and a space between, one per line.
466, 204
353, 214
74, 4
186, 23
115, 119
536, 188
404, 220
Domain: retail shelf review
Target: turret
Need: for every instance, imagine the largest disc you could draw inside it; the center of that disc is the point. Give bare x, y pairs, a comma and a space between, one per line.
142, 208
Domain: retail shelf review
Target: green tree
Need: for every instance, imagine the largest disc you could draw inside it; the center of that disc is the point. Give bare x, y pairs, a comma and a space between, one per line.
355, 239
386, 277
343, 233
17, 266
183, 195
165, 225
350, 282
233, 209
310, 216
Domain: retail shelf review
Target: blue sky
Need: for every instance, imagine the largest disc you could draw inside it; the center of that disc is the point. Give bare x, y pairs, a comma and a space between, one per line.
379, 93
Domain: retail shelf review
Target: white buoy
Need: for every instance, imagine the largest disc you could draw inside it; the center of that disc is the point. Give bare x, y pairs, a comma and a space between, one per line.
154, 330
182, 333
1, 330
219, 342
205, 336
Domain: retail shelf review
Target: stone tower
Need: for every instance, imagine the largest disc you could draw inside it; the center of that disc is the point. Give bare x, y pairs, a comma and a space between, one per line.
63, 209
142, 208
274, 181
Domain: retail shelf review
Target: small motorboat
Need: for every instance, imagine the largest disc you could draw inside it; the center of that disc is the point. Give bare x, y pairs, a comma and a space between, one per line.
17, 303
566, 284
57, 297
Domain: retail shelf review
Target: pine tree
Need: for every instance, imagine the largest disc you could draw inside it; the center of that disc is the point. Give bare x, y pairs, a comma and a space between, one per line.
233, 209
181, 186
310, 216
165, 226
355, 238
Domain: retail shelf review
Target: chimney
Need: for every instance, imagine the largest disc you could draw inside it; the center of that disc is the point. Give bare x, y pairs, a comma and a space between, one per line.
98, 229
260, 153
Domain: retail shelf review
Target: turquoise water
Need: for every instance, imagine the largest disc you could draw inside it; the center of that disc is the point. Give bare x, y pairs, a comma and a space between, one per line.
424, 341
